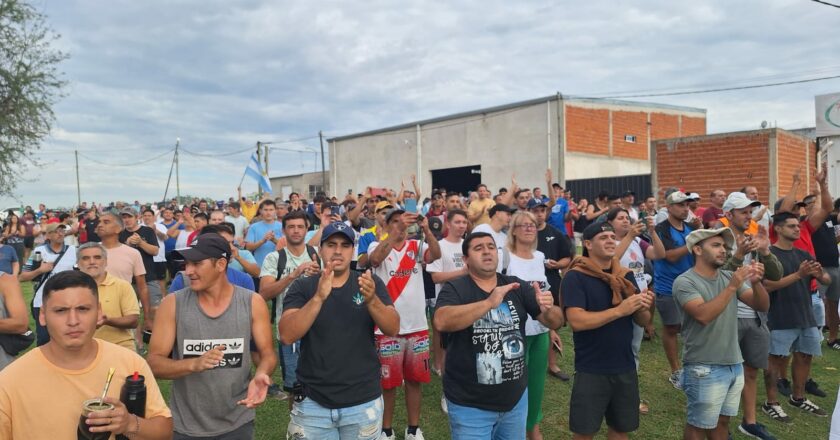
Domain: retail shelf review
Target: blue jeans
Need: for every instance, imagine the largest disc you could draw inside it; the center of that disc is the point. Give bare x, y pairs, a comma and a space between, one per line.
711, 391
309, 420
289, 355
468, 423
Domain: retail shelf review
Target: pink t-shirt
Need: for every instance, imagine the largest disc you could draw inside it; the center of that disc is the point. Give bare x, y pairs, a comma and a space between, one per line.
125, 263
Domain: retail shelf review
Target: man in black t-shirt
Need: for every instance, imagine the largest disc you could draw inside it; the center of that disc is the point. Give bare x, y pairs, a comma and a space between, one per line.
333, 315
143, 239
793, 327
483, 314
606, 383
557, 248
825, 239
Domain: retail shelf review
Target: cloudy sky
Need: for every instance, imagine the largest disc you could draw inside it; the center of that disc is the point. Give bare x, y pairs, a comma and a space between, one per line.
221, 75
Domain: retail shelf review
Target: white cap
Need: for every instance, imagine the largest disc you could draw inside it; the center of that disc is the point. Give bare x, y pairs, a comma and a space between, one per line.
738, 200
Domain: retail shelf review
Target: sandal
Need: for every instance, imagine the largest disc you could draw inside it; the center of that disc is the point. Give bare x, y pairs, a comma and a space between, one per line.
559, 374
644, 407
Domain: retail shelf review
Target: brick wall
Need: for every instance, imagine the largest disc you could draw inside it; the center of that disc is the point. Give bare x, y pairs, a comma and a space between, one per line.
587, 130
794, 153
692, 126
634, 124
704, 163
665, 126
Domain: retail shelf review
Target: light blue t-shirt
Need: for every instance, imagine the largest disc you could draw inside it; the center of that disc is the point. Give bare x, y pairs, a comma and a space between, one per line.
247, 256
256, 233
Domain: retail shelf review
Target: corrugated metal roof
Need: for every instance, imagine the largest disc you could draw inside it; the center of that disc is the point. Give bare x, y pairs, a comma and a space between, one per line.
513, 105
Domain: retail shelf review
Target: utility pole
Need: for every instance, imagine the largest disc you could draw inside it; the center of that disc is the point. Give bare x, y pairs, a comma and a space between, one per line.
259, 152
177, 172
266, 162
323, 169
78, 187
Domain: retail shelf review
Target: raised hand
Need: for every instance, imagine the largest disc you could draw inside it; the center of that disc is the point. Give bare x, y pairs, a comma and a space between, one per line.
499, 292
325, 283
637, 229
756, 272
367, 286
740, 275
210, 359
631, 304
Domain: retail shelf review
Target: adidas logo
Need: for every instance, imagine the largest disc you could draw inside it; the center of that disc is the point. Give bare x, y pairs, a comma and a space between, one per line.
234, 360
235, 346
197, 347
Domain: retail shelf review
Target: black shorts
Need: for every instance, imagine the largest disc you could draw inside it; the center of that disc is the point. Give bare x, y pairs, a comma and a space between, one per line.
595, 396
29, 242
160, 270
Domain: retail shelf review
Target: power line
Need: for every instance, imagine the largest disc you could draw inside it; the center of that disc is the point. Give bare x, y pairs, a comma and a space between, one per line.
130, 164
231, 153
720, 89
826, 3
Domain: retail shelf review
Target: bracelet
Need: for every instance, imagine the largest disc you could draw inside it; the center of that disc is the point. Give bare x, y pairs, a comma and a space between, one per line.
136, 431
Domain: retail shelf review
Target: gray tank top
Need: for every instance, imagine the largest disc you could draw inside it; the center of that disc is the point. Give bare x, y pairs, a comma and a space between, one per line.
204, 404
5, 358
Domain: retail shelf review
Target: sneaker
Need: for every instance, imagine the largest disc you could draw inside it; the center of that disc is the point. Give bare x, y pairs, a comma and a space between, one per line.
444, 406
277, 392
756, 430
383, 436
775, 412
417, 436
783, 385
835, 344
808, 406
813, 388
676, 379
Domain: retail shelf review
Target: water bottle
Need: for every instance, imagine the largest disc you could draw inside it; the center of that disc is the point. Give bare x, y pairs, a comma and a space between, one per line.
133, 396
36, 260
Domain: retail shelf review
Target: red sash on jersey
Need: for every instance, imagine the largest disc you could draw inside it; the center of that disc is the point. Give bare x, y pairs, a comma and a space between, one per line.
397, 282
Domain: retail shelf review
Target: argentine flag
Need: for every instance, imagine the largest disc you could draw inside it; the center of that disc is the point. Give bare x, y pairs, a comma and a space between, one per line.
255, 171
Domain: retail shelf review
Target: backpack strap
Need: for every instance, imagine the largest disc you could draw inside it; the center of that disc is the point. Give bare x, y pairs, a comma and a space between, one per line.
281, 262
505, 260
313, 254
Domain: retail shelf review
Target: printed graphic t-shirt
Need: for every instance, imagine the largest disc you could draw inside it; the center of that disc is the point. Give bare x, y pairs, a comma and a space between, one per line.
401, 271
485, 362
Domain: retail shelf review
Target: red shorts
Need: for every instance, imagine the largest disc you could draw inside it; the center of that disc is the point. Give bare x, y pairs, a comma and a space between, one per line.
404, 357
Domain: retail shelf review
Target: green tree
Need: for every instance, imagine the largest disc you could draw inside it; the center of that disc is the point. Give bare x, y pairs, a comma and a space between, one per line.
30, 84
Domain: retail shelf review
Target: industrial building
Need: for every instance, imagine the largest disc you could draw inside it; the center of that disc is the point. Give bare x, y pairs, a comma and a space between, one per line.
589, 144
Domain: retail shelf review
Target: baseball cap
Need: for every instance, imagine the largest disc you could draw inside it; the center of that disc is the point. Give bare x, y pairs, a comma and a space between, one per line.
596, 228
693, 196
628, 193
52, 227
778, 205
436, 226
128, 211
499, 207
533, 203
676, 197
392, 212
383, 205
206, 246
738, 200
701, 234
338, 228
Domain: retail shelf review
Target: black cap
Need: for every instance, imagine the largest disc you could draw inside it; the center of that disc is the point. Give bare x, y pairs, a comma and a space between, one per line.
499, 207
206, 246
596, 228
533, 203
628, 193
436, 225
338, 228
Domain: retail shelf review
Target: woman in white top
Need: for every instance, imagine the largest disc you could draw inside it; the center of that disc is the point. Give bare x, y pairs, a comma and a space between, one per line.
633, 251
528, 264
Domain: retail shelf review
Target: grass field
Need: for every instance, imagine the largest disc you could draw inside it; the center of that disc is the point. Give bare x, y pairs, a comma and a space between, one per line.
665, 421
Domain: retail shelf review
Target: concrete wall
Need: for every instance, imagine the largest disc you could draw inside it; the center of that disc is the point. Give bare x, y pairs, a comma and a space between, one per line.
299, 183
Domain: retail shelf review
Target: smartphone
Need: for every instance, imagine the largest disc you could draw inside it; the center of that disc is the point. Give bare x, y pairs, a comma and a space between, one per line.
411, 205
335, 210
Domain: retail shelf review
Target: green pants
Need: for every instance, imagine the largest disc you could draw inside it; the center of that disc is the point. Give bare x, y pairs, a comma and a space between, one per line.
536, 356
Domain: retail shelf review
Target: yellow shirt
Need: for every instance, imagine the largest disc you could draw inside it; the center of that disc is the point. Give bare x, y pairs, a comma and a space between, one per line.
117, 299
476, 206
39, 400
248, 211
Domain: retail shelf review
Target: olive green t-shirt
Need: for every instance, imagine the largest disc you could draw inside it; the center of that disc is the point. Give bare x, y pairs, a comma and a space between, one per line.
717, 342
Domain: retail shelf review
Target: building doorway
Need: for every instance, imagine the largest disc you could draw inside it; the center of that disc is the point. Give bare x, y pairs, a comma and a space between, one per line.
460, 179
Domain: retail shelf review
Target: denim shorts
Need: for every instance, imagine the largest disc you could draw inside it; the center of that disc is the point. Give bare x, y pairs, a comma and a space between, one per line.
711, 391
799, 340
310, 420
469, 423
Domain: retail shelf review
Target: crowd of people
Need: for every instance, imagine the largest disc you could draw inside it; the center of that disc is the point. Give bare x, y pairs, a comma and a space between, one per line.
342, 293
